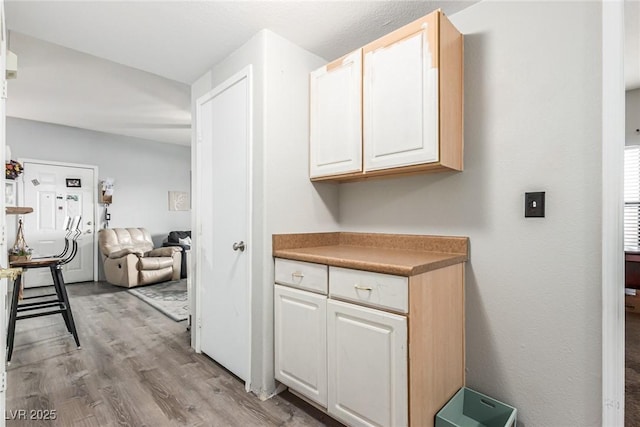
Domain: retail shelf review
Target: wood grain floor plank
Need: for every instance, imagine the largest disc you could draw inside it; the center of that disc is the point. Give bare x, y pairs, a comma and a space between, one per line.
135, 368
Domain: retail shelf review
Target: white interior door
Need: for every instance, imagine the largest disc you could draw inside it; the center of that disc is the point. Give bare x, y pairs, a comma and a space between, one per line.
223, 125
55, 191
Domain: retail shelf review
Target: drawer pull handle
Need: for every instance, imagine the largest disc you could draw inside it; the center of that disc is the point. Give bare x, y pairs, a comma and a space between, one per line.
297, 275
362, 288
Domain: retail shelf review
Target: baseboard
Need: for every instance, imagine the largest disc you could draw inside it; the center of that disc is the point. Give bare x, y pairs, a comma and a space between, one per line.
264, 395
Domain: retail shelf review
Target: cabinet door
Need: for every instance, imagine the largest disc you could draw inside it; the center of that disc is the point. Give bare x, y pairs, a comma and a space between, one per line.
301, 342
367, 365
400, 97
335, 143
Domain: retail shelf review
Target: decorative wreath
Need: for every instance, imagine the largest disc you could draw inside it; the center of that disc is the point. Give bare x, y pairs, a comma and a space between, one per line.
12, 169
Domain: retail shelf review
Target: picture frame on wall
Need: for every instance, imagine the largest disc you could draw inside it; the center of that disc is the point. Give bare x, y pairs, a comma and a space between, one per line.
179, 201
74, 182
10, 193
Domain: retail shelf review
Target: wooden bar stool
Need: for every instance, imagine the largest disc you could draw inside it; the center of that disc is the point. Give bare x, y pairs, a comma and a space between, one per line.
51, 303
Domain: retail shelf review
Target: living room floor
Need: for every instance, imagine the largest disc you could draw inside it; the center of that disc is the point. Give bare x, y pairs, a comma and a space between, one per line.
135, 368
632, 370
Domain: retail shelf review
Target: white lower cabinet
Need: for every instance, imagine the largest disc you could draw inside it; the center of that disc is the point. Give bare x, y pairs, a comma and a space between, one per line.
367, 365
301, 342
351, 352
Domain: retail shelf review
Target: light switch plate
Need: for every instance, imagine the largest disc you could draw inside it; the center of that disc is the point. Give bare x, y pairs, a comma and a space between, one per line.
534, 205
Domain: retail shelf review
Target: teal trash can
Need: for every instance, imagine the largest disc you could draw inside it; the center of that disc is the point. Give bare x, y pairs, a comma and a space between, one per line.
468, 408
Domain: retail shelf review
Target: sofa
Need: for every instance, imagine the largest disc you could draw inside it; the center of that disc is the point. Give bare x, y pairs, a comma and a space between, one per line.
180, 239
130, 259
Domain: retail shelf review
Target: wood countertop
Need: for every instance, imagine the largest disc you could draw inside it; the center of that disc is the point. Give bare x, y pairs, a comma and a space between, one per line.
398, 254
18, 210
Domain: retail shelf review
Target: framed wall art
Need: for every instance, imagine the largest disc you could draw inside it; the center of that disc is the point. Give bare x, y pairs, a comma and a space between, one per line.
74, 182
179, 201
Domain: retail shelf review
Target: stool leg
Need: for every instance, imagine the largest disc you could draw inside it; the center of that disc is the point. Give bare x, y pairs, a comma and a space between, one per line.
65, 298
56, 285
12, 316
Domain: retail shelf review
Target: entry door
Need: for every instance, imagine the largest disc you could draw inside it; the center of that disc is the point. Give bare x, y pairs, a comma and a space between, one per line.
55, 191
223, 125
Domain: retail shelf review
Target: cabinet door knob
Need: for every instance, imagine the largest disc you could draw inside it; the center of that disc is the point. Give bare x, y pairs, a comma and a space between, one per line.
238, 246
297, 275
362, 288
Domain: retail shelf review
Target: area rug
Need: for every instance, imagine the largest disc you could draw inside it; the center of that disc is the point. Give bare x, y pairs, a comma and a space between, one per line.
168, 297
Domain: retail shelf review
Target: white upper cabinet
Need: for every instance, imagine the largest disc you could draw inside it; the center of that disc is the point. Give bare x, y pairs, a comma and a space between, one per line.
336, 108
400, 101
411, 111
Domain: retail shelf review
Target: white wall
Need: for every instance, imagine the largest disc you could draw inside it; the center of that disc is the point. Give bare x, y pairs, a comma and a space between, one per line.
632, 122
532, 123
144, 171
198, 88
284, 201
292, 203
252, 53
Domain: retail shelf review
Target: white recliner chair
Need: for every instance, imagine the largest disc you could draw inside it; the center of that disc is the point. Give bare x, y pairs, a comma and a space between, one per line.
130, 259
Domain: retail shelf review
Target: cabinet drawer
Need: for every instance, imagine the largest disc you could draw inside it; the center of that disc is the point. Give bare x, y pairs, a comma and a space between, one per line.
303, 275
367, 288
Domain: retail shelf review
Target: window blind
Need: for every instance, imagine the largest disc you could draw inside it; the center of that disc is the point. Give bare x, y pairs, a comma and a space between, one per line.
632, 198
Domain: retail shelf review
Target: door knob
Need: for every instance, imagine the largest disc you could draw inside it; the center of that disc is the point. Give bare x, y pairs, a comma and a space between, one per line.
89, 223
239, 246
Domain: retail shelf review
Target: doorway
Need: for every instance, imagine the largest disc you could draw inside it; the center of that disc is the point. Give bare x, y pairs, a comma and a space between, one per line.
57, 190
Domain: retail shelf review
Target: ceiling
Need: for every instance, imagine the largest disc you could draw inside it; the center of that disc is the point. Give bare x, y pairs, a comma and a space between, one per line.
180, 40
59, 85
125, 67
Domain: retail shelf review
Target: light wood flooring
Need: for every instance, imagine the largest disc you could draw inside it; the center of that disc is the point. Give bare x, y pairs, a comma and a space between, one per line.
135, 368
632, 370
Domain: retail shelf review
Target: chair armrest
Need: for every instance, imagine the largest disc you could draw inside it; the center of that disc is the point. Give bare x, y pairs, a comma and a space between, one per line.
166, 251
124, 252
